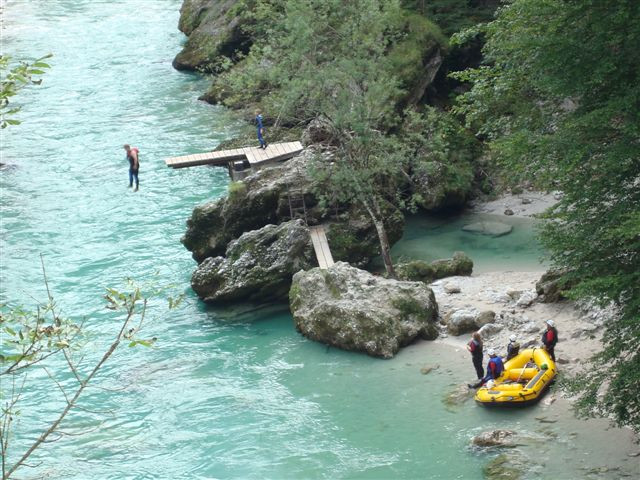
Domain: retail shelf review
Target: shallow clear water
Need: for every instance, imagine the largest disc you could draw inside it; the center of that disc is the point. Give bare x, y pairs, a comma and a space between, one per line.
432, 237
225, 393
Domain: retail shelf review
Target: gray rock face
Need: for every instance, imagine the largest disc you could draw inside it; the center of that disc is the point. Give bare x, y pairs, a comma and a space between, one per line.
354, 310
254, 203
263, 198
258, 266
492, 229
485, 317
489, 330
551, 287
461, 321
212, 32
527, 298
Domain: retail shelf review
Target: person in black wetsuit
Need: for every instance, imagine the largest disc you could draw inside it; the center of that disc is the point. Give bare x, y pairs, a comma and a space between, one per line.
475, 347
134, 165
513, 348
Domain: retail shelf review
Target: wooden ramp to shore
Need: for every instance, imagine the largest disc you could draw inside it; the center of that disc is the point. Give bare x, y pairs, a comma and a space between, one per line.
321, 246
254, 155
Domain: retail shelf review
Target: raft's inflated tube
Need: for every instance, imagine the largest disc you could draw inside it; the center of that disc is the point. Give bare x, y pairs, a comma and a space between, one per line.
520, 383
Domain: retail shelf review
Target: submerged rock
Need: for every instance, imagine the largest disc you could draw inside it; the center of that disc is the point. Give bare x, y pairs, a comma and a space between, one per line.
354, 310
504, 467
492, 229
458, 396
494, 438
258, 266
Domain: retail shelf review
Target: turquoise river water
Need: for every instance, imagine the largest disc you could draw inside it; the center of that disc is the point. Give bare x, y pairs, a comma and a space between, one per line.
225, 393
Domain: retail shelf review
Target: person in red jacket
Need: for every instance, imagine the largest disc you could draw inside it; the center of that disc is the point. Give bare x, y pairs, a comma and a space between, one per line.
475, 347
550, 338
134, 165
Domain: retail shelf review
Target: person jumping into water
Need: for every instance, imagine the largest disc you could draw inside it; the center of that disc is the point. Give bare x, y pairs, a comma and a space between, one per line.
134, 165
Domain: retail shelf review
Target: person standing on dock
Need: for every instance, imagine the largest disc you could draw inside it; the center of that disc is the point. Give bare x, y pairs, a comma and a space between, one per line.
475, 347
260, 127
134, 165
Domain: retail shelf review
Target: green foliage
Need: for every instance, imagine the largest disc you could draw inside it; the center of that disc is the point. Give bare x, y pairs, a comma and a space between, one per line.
438, 153
46, 341
454, 15
15, 78
408, 307
558, 102
274, 76
237, 190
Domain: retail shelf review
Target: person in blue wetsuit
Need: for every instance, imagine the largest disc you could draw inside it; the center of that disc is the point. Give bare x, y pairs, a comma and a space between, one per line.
495, 368
260, 127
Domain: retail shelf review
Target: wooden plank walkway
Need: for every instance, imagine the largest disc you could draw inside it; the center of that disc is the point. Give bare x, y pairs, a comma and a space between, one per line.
321, 246
254, 155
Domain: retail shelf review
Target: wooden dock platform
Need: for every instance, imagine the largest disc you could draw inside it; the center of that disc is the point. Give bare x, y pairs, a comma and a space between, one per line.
321, 246
254, 155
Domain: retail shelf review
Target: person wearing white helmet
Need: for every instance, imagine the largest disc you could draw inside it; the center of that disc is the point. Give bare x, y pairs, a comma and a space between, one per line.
495, 367
550, 338
513, 348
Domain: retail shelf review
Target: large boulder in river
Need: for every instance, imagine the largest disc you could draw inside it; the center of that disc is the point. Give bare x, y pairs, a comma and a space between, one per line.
263, 198
213, 32
354, 310
258, 266
258, 200
421, 271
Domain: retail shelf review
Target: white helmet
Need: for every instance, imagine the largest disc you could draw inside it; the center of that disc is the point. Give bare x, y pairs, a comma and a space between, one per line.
512, 338
491, 352
550, 323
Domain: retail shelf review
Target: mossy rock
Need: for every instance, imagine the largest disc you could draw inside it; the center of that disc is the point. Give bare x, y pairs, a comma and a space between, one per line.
421, 271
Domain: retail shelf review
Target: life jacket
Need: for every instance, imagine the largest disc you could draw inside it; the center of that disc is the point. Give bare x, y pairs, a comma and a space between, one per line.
550, 337
130, 157
495, 367
476, 348
512, 350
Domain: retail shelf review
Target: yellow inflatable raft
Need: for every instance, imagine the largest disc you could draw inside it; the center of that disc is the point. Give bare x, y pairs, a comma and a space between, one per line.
525, 378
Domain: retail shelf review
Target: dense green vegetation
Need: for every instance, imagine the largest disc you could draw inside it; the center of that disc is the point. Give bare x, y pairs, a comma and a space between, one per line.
557, 102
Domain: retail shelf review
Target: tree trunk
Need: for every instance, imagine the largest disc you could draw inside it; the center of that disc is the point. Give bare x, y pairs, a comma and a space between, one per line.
385, 249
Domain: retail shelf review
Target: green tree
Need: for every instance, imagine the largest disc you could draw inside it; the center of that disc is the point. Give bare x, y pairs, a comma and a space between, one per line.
14, 79
558, 101
339, 71
46, 341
